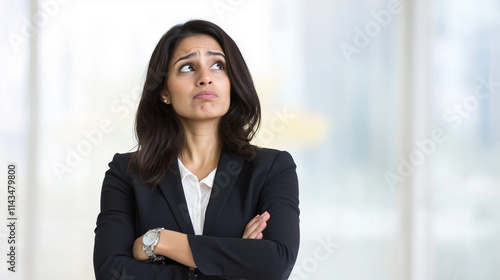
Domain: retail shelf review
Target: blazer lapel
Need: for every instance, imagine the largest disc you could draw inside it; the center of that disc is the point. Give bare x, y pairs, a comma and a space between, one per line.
171, 187
228, 169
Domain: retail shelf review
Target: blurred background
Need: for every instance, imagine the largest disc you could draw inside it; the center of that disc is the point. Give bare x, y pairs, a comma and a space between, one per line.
391, 110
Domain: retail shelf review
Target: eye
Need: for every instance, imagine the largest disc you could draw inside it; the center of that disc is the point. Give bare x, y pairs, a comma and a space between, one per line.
186, 68
218, 66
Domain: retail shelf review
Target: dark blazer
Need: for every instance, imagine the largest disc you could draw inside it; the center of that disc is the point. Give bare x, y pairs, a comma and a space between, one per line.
241, 190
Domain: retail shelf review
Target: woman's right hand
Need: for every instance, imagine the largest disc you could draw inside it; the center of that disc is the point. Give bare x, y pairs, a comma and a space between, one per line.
254, 228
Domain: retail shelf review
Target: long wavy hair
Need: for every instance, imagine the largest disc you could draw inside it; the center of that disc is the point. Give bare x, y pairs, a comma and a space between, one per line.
159, 132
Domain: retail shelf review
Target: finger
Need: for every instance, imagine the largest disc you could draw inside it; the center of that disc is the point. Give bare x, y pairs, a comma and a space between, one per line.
254, 223
265, 216
255, 226
250, 231
255, 232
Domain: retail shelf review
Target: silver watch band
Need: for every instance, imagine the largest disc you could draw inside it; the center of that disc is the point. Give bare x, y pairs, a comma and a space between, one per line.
149, 249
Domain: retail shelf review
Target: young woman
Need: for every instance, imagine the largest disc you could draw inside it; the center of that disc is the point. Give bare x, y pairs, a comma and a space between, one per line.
197, 199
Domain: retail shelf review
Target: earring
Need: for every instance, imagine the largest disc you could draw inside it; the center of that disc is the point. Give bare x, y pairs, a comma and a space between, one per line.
165, 100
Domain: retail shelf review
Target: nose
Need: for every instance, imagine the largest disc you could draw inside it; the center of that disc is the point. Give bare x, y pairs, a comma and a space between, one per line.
203, 83
205, 78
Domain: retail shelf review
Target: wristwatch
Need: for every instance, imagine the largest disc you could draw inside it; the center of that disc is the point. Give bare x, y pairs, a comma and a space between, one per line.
150, 240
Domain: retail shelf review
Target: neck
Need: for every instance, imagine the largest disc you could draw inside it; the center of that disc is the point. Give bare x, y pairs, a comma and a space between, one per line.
202, 146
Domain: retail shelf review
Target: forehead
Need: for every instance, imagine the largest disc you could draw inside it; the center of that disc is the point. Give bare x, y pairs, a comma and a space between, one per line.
196, 43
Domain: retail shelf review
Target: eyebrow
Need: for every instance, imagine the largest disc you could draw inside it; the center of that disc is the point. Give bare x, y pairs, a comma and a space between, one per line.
190, 55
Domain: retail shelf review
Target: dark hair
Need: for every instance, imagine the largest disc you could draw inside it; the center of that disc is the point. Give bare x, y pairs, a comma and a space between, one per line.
160, 134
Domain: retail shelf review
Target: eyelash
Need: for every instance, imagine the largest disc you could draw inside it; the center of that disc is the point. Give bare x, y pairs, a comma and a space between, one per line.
184, 65
223, 66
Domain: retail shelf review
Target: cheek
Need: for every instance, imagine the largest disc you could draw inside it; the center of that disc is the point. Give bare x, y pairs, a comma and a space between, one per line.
175, 88
226, 85
227, 90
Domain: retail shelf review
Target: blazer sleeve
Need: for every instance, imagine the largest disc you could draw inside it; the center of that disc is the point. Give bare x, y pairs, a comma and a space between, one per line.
115, 232
273, 256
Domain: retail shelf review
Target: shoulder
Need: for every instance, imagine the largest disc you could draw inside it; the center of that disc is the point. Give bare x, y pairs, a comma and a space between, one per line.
267, 154
274, 167
119, 163
267, 158
118, 178
121, 159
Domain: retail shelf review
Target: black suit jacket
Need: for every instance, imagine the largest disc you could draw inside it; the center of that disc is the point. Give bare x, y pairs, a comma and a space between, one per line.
241, 190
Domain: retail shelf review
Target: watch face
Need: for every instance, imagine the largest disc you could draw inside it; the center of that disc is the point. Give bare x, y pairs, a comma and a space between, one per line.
149, 238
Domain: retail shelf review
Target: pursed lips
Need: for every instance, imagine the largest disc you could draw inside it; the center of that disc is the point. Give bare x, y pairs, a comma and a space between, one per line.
206, 94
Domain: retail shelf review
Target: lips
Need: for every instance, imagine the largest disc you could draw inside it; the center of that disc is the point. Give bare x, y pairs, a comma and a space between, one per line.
206, 94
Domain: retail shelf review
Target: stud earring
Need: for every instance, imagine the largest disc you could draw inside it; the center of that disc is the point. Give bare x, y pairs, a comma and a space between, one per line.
165, 100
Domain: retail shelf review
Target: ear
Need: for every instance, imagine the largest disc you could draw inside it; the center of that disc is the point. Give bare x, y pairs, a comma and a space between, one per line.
165, 95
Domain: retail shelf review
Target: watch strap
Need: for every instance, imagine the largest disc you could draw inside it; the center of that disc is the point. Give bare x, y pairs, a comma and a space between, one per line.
149, 249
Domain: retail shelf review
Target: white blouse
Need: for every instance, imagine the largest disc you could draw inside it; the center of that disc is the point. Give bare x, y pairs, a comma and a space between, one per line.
197, 195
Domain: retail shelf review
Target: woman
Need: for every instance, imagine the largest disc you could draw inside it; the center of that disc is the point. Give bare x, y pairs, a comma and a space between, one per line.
196, 194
